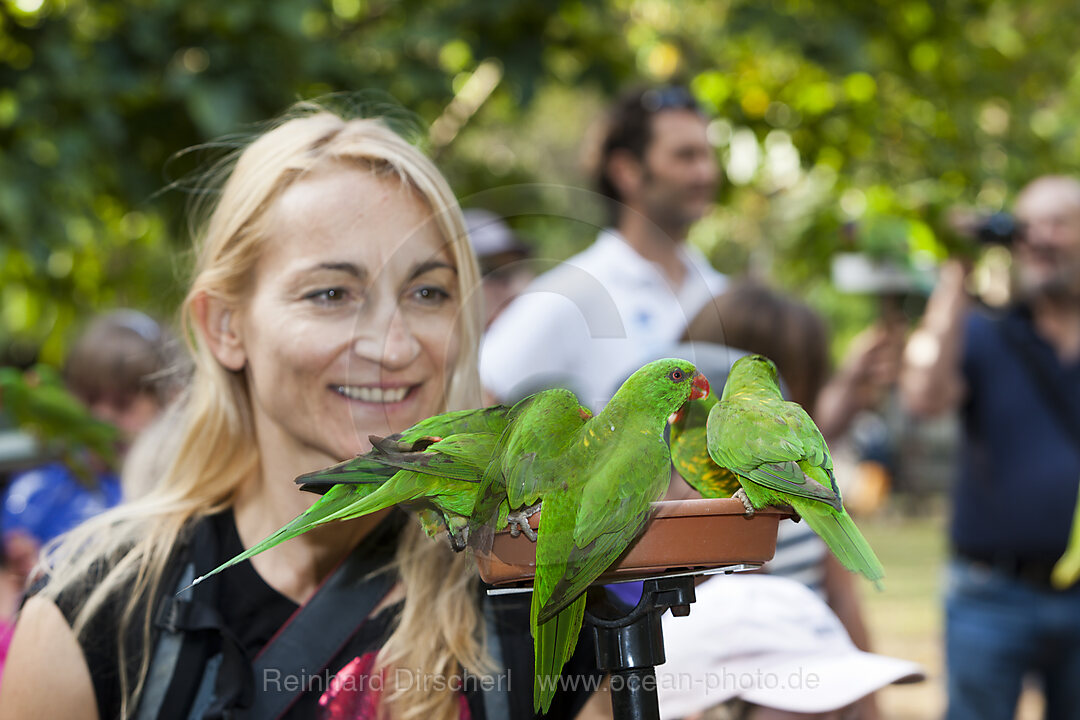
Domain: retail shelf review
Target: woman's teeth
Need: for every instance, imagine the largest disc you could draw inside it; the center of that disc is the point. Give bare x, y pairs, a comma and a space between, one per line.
373, 394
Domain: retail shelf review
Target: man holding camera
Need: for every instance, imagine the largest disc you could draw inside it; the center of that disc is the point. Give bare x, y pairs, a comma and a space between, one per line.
1015, 377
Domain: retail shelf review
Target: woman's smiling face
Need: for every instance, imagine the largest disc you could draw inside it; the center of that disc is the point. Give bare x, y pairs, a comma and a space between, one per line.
351, 325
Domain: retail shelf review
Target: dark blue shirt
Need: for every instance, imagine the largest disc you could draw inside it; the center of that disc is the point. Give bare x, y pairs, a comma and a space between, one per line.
1020, 468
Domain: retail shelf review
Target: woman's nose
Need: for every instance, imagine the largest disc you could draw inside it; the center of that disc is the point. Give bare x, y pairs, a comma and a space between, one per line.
391, 343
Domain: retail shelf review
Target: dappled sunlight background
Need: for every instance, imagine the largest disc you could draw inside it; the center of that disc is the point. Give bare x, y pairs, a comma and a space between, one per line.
826, 113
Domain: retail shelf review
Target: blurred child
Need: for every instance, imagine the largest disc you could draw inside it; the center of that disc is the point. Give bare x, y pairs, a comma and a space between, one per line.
776, 651
119, 367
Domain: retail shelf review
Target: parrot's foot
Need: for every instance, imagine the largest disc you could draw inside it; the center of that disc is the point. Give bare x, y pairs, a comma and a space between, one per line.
459, 540
740, 495
518, 522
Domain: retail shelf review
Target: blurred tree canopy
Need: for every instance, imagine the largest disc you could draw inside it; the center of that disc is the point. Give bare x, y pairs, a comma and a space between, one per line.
826, 113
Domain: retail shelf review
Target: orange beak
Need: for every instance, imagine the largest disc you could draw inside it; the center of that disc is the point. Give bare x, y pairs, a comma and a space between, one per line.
701, 387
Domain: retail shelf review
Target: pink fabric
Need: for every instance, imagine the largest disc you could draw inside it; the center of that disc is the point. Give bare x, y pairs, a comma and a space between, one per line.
354, 693
7, 629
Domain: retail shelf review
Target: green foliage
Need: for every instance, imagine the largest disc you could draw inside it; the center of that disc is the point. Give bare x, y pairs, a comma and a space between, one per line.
38, 403
829, 113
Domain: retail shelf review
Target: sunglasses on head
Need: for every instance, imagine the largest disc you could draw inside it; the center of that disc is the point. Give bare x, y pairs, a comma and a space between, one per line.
668, 98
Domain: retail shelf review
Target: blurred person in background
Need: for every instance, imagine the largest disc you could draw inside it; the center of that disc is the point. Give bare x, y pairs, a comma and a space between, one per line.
779, 653
1014, 376
505, 270
752, 318
589, 322
119, 366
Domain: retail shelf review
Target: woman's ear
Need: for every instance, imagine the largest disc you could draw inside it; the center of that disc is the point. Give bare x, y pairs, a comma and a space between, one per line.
219, 328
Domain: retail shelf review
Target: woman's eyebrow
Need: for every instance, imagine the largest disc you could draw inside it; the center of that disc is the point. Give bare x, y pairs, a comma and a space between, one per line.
347, 267
430, 265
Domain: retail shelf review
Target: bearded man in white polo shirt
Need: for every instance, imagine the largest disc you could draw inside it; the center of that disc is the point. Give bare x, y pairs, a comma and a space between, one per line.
590, 322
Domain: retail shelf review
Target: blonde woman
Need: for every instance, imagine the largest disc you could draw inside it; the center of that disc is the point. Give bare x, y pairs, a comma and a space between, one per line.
334, 297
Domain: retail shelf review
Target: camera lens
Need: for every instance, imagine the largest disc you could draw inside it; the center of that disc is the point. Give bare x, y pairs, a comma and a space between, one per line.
1000, 229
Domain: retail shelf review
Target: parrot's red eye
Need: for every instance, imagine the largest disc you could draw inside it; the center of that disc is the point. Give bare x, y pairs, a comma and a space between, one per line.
676, 375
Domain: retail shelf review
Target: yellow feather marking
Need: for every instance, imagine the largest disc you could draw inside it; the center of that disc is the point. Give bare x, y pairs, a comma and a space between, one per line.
586, 441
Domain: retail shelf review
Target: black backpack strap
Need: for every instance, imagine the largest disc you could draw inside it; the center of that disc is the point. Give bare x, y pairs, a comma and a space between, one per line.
166, 653
316, 633
1042, 376
185, 660
304, 646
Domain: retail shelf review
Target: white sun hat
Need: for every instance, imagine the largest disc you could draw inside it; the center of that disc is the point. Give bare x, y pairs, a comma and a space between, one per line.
769, 641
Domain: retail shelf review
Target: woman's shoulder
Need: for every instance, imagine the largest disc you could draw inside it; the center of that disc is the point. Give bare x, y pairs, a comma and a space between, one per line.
44, 646
100, 620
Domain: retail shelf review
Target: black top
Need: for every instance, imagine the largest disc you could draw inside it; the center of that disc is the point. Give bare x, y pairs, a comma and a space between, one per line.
237, 613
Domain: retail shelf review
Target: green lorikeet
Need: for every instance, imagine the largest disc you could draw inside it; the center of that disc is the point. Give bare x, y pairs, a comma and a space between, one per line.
597, 478
690, 451
439, 474
781, 459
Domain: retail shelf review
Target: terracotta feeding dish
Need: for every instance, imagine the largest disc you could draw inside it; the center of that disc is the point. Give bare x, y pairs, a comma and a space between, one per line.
682, 536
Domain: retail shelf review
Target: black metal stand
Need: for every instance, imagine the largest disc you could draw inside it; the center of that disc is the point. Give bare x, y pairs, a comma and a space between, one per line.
629, 645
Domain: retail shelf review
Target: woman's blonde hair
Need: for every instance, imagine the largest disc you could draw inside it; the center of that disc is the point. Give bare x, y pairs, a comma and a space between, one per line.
214, 451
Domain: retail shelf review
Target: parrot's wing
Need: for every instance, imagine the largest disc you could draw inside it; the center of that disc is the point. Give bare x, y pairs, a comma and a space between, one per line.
490, 420
537, 426
358, 471
436, 464
585, 564
472, 449
771, 443
549, 423
458, 457
620, 488
789, 478
613, 507
492, 490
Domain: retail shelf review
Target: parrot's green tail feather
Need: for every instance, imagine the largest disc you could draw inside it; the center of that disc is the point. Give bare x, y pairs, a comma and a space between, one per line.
553, 644
1067, 569
844, 539
339, 499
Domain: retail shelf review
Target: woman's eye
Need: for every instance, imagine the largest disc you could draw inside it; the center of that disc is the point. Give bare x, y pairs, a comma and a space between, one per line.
327, 296
431, 295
